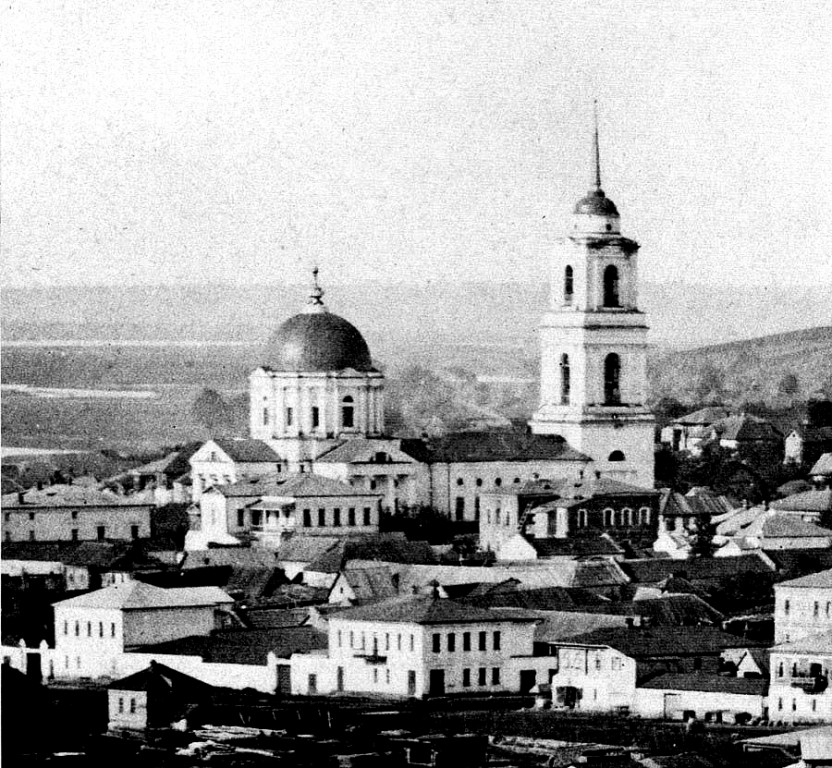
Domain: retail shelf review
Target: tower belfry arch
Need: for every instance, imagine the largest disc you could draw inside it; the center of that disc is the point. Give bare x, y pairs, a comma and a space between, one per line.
594, 322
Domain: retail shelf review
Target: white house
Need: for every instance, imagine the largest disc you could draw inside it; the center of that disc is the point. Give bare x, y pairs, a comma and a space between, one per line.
225, 461
799, 691
274, 509
803, 606
422, 645
93, 630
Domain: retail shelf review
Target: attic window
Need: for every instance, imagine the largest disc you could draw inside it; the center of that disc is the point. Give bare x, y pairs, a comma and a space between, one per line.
616, 456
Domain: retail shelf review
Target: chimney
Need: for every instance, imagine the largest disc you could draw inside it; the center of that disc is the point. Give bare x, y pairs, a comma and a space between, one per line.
597, 474
40, 485
21, 497
630, 622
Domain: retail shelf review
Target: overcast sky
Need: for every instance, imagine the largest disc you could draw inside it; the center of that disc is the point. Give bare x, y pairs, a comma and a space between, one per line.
230, 141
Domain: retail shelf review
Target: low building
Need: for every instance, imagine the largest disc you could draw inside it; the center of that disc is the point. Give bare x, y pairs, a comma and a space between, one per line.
809, 505
224, 461
821, 471
709, 697
746, 430
75, 513
422, 645
155, 697
680, 513
92, 630
803, 606
272, 510
688, 431
800, 691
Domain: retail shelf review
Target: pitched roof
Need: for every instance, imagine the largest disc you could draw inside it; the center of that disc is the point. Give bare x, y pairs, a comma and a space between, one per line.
383, 547
583, 547
823, 466
813, 581
500, 446
305, 549
370, 583
746, 426
538, 599
818, 643
707, 683
91, 554
238, 557
244, 646
587, 488
704, 416
74, 496
361, 450
247, 451
703, 569
136, 595
668, 611
663, 641
299, 485
561, 625
426, 610
808, 501
157, 675
772, 525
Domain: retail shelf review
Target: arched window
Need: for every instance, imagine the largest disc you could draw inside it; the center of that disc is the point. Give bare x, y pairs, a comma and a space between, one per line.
568, 285
627, 516
607, 517
564, 380
616, 456
347, 413
612, 377
611, 286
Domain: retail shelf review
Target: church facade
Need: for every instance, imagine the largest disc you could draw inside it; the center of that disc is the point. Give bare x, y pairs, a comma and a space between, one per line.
317, 402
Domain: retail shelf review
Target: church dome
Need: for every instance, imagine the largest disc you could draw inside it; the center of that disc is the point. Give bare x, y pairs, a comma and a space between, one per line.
596, 203
317, 342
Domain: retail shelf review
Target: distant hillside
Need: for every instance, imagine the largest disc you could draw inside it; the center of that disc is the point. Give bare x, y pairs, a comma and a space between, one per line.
754, 369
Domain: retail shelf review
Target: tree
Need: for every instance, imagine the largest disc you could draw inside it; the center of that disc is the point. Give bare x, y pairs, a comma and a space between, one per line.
702, 537
710, 383
211, 411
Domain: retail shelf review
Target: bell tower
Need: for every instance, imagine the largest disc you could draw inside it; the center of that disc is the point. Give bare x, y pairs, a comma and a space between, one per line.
593, 387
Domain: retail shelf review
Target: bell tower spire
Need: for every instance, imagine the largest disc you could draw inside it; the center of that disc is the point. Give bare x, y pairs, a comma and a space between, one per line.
596, 151
315, 302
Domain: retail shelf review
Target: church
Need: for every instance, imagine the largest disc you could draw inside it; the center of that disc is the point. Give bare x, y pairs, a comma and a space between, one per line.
317, 401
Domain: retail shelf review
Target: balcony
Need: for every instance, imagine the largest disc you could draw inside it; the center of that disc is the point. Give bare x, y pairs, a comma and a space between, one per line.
811, 684
372, 658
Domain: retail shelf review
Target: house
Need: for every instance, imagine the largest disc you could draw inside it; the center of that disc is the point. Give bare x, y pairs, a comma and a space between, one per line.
358, 586
800, 691
93, 629
600, 670
546, 518
271, 510
802, 606
155, 697
813, 437
821, 472
168, 477
773, 530
709, 697
688, 431
223, 461
809, 506
422, 645
680, 513
75, 513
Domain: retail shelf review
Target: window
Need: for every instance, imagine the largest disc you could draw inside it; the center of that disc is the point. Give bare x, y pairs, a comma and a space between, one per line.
101, 629
786, 608
89, 629
476, 507
495, 676
466, 678
412, 642
347, 413
375, 675
134, 531
498, 482
120, 705
352, 639
460, 507
132, 705
241, 518
616, 456
31, 535
816, 612
479, 482
31, 515
564, 380
466, 641
387, 675
74, 515
101, 532
451, 642
611, 286
367, 516
612, 377
497, 641
290, 417
66, 627
321, 518
74, 534
307, 518
336, 517
113, 629
437, 642
568, 284
482, 640
780, 704
399, 641
481, 676
256, 517
386, 641
351, 516
316, 417
77, 629
460, 481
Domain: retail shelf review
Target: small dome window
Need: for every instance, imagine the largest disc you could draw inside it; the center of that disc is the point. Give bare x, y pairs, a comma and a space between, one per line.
616, 456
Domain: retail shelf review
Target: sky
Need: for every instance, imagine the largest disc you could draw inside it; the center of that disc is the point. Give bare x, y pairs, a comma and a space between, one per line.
208, 141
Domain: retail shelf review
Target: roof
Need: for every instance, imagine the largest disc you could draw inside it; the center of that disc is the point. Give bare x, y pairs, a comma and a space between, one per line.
773, 525
307, 484
560, 625
583, 547
362, 450
247, 451
808, 501
370, 583
823, 466
157, 675
663, 641
500, 446
305, 549
426, 610
704, 416
698, 681
820, 643
90, 554
698, 502
135, 595
746, 427
760, 657
821, 580
669, 611
243, 646
238, 557
512, 595
702, 569
74, 496
173, 464
317, 341
596, 203
390, 548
